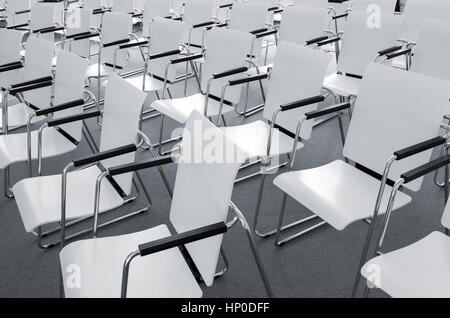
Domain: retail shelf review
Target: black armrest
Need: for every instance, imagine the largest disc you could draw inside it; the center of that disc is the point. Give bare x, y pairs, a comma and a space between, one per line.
118, 42
278, 11
229, 5
328, 41
266, 33
273, 8
182, 238
231, 72
303, 102
204, 24
164, 54
33, 81
105, 155
418, 148
71, 119
23, 11
133, 44
86, 36
20, 89
389, 50
248, 79
317, 40
48, 29
56, 108
398, 53
10, 66
177, 18
137, 15
17, 26
425, 169
326, 111
100, 11
220, 25
74, 35
340, 16
135, 166
258, 31
187, 58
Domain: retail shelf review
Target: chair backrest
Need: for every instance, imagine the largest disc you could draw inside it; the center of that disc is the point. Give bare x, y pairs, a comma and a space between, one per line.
121, 115
123, 6
297, 74
446, 216
69, 85
300, 24
165, 37
225, 50
431, 54
203, 188
11, 47
116, 26
418, 10
42, 15
385, 6
395, 109
195, 12
14, 9
361, 43
153, 9
248, 16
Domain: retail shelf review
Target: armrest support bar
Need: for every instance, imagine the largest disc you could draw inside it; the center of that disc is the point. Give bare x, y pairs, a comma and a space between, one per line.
230, 72
182, 238
135, 166
420, 147
425, 169
204, 24
118, 42
86, 36
71, 119
303, 102
340, 16
247, 79
56, 108
326, 111
105, 155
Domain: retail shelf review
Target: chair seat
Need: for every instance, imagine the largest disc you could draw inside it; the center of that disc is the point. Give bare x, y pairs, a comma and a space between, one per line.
420, 270
338, 193
39, 198
14, 147
252, 139
18, 116
151, 84
92, 70
342, 85
100, 261
179, 109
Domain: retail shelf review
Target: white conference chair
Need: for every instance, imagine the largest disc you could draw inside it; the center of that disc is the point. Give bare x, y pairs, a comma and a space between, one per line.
408, 112
419, 270
153, 9
70, 195
225, 58
18, 13
149, 263
68, 93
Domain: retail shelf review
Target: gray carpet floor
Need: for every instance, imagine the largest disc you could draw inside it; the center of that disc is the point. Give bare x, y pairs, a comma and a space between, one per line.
321, 264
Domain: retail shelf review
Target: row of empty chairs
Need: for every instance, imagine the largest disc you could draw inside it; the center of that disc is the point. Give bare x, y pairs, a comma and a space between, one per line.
384, 72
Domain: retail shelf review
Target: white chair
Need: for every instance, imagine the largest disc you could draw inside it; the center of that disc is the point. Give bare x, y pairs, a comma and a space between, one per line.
225, 57
407, 112
18, 13
153, 9
111, 266
197, 15
419, 270
70, 196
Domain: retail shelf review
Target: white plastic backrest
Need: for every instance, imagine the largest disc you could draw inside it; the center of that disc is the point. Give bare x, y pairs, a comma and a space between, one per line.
297, 74
361, 42
373, 6
311, 3
300, 24
431, 54
121, 115
17, 6
78, 21
123, 6
395, 109
166, 36
11, 52
116, 26
92, 4
446, 216
42, 15
418, 10
203, 188
248, 16
69, 86
153, 9
226, 49
195, 12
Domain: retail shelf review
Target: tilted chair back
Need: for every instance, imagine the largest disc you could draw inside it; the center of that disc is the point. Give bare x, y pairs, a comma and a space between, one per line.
432, 49
300, 24
203, 188
166, 36
297, 74
361, 43
123, 106
78, 22
385, 6
153, 9
395, 109
418, 10
9, 53
225, 50
38, 63
195, 12
69, 86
